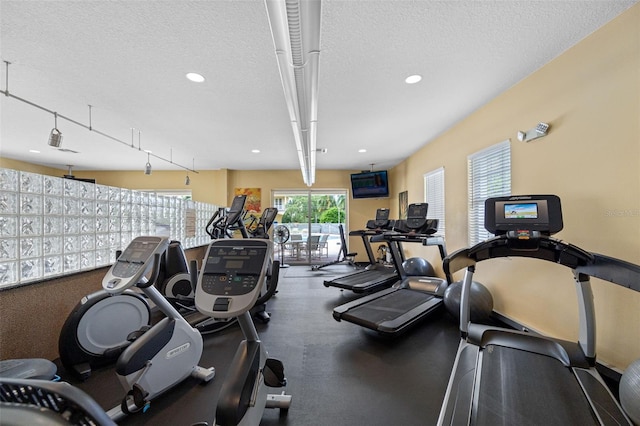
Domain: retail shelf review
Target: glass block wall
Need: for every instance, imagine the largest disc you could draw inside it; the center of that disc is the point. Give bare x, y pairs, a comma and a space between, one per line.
51, 226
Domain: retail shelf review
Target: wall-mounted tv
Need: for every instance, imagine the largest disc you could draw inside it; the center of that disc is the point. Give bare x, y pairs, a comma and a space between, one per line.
370, 184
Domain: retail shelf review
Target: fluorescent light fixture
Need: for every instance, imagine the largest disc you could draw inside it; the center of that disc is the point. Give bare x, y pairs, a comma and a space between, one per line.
195, 77
255, 151
295, 27
362, 150
34, 151
413, 79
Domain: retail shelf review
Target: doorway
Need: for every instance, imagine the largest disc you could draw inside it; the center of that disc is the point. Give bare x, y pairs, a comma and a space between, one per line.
312, 218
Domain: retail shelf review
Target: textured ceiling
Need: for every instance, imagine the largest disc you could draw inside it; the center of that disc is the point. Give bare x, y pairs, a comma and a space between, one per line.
128, 60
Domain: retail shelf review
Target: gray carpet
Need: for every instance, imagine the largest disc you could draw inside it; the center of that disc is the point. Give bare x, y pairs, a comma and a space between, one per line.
338, 373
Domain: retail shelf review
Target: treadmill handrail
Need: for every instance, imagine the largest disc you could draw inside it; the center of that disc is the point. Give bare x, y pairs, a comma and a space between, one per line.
614, 270
457, 261
548, 248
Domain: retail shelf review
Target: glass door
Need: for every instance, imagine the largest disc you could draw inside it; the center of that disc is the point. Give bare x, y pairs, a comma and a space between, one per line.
312, 219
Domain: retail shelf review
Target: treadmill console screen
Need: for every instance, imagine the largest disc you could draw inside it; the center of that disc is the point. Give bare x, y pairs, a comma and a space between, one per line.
540, 213
521, 211
382, 217
417, 215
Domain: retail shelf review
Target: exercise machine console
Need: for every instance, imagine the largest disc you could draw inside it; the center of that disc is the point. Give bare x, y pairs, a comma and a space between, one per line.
229, 284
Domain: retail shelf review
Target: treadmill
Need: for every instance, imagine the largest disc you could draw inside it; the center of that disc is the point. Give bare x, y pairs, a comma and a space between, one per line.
395, 309
503, 376
375, 276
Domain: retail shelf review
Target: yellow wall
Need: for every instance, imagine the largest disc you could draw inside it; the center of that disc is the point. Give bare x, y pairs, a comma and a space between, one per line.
591, 159
8, 163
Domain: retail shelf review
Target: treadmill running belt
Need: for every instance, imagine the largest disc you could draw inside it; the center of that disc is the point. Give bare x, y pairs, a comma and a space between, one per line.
386, 308
522, 388
365, 281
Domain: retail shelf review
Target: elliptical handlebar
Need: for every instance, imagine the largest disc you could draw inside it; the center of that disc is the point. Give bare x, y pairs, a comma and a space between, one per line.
155, 272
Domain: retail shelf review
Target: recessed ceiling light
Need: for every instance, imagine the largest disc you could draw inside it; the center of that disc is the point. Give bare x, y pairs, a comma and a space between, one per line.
34, 151
412, 79
195, 77
255, 151
362, 150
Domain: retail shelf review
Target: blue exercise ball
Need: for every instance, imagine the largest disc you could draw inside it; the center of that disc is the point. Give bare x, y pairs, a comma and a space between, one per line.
480, 304
630, 391
418, 267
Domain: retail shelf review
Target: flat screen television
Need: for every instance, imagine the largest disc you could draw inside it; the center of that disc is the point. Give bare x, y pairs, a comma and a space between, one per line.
370, 184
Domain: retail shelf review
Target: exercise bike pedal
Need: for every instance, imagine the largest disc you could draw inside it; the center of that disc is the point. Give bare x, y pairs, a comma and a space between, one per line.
281, 401
135, 400
274, 373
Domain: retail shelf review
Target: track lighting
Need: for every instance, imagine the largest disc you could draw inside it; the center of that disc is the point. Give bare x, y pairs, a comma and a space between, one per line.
187, 179
55, 137
147, 167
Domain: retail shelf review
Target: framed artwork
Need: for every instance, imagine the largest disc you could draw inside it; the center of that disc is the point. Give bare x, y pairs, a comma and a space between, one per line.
253, 198
403, 201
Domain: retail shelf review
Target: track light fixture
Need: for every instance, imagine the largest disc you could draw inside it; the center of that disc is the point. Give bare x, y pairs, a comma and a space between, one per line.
55, 137
147, 167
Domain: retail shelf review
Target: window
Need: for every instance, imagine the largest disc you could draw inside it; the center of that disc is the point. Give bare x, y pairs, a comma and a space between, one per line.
489, 175
434, 196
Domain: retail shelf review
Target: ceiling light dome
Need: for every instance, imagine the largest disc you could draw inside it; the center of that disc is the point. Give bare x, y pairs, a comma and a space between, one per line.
412, 79
195, 77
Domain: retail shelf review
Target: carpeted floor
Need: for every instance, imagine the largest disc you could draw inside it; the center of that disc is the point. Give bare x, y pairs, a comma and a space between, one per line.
338, 373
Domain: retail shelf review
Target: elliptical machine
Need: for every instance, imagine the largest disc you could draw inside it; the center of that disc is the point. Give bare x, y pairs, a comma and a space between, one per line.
99, 328
169, 351
228, 286
259, 227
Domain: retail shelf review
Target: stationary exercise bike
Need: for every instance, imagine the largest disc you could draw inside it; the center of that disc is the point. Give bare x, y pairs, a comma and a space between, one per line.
224, 223
228, 286
169, 351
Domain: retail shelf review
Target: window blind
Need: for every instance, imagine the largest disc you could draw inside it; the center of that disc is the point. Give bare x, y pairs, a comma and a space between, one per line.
434, 196
489, 175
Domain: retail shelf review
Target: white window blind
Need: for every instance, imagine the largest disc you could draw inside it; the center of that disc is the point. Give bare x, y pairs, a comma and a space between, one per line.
434, 196
489, 175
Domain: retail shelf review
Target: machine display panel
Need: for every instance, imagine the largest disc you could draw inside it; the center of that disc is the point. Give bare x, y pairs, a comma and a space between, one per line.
541, 213
382, 214
417, 211
233, 269
521, 211
138, 252
239, 260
